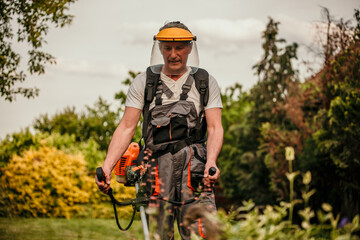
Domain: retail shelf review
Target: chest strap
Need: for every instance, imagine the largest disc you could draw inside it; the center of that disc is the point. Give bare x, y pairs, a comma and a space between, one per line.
186, 88
167, 91
162, 88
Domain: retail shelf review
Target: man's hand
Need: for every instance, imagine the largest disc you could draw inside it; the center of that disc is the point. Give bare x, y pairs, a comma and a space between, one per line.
104, 186
208, 179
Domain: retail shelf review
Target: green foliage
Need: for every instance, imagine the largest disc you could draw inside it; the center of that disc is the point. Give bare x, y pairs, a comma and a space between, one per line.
35, 185
90, 149
337, 138
97, 122
277, 79
276, 75
257, 125
275, 222
33, 19
17, 143
271, 222
243, 175
51, 183
319, 118
247, 147
74, 137
250, 222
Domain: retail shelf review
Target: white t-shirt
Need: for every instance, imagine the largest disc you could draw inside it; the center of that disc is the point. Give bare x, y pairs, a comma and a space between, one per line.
135, 95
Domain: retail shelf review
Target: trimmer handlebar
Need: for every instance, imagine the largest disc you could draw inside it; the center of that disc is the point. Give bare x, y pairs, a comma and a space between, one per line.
101, 176
212, 171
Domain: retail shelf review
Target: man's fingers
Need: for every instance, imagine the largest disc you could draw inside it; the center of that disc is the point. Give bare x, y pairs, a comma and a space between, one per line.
103, 187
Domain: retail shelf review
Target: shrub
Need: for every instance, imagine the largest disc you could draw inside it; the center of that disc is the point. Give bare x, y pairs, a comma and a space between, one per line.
51, 183
18, 143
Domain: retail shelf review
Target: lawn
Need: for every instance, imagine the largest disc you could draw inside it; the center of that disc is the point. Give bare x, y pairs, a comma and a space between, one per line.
64, 229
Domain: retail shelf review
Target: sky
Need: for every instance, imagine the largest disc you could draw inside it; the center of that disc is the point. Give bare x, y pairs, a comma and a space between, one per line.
109, 38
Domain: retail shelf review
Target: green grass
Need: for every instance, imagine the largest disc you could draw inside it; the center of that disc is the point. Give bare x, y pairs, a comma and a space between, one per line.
64, 229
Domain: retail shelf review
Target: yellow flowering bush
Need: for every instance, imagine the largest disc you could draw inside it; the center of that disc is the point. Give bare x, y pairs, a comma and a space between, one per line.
51, 183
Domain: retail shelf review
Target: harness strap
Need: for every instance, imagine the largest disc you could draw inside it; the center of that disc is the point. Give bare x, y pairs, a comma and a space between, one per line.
167, 91
186, 88
158, 93
150, 88
201, 83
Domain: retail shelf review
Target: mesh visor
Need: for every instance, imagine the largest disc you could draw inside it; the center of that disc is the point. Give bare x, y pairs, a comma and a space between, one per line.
173, 57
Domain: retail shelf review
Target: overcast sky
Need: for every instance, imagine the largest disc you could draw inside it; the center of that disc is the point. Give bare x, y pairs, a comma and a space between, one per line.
109, 38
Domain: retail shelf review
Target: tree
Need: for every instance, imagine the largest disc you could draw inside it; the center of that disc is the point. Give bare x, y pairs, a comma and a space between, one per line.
243, 174
272, 128
33, 18
255, 126
97, 123
275, 73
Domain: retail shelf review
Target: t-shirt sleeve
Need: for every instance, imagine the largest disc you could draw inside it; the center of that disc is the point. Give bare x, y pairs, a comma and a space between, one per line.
135, 95
214, 94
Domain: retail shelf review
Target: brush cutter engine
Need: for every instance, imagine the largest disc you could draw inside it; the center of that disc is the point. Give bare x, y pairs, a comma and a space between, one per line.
129, 169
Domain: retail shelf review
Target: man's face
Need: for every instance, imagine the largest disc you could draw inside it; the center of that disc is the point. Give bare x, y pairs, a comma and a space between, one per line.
175, 56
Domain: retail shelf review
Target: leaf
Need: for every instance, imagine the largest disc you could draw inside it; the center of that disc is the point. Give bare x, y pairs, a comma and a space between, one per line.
289, 153
307, 178
326, 207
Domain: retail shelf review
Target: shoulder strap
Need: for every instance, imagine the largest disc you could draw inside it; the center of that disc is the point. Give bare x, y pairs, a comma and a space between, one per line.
149, 92
186, 88
202, 85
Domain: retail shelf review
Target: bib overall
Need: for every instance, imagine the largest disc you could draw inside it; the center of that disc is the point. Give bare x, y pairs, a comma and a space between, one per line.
179, 164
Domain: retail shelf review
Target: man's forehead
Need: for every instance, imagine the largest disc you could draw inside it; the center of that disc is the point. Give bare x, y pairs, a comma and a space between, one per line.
164, 43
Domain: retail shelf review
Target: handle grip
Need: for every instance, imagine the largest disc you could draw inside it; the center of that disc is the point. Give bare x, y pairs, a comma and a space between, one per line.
101, 176
212, 171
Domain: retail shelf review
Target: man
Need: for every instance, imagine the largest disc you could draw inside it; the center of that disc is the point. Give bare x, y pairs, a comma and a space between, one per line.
174, 127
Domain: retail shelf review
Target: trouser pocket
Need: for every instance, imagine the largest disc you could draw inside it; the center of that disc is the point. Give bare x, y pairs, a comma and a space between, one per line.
196, 179
196, 170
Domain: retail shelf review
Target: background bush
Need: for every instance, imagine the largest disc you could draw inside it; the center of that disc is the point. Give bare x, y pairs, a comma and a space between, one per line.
49, 182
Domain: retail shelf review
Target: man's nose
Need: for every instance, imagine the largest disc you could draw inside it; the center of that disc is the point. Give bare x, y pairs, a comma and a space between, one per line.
173, 53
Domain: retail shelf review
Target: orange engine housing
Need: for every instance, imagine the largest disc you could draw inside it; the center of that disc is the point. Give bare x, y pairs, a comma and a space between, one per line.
125, 161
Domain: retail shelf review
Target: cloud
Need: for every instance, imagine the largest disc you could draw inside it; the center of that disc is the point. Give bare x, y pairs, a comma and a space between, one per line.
222, 34
228, 30
227, 36
138, 33
90, 69
293, 30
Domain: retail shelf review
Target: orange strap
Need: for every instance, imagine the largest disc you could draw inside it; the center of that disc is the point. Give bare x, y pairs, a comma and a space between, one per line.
157, 185
201, 229
189, 172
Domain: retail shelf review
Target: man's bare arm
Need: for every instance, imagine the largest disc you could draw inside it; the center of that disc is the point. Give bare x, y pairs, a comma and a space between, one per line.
119, 143
214, 142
